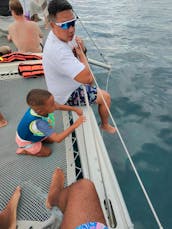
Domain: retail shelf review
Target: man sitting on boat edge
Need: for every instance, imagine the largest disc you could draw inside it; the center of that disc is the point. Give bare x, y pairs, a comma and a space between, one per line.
64, 72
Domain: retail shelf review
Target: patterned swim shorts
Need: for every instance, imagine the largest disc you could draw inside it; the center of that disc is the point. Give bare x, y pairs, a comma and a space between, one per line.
77, 98
92, 225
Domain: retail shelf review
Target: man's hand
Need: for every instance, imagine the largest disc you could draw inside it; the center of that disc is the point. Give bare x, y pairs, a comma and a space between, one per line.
80, 43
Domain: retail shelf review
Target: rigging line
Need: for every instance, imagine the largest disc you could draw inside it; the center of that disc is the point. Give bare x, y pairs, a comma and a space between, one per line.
123, 144
108, 78
130, 159
132, 164
100, 53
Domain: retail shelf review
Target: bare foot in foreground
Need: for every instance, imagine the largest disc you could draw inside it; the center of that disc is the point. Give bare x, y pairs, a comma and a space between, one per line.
108, 128
57, 184
3, 121
10, 212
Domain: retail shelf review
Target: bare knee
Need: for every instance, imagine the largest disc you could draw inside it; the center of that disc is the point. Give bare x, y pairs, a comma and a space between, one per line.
106, 97
86, 185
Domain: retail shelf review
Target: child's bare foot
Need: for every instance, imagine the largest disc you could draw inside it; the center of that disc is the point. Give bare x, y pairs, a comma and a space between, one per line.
21, 151
3, 121
10, 212
57, 184
44, 152
108, 128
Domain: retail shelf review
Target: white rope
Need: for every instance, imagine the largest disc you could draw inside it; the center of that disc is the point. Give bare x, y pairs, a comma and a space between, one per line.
107, 81
127, 152
120, 137
130, 159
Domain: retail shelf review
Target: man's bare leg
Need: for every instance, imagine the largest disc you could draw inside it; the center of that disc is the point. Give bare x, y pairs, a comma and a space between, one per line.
104, 112
79, 202
3, 121
9, 214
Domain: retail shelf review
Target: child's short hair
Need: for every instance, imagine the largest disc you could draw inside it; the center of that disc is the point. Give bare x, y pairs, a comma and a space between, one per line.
37, 97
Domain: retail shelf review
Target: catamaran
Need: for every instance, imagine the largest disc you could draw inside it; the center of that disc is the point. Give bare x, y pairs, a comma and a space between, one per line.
81, 154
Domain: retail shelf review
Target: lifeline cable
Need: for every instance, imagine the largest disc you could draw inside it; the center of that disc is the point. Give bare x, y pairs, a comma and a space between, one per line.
122, 142
130, 159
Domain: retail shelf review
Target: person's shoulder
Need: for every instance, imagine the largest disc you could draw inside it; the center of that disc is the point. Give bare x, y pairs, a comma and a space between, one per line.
53, 46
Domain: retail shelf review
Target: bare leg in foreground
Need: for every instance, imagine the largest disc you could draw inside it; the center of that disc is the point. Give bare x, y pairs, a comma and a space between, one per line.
79, 202
9, 214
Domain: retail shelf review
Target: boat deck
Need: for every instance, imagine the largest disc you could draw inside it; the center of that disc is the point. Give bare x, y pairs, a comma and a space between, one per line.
33, 174
82, 154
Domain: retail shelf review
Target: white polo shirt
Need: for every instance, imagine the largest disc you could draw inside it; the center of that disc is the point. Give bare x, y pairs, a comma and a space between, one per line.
60, 68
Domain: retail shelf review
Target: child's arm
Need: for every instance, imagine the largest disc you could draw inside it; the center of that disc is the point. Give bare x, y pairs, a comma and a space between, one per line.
69, 108
55, 137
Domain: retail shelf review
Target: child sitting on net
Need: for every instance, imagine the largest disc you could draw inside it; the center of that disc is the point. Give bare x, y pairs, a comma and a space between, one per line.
37, 124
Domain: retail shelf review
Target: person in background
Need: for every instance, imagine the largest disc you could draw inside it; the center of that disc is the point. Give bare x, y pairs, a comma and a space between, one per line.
78, 202
66, 68
39, 6
9, 214
26, 35
4, 49
3, 121
37, 124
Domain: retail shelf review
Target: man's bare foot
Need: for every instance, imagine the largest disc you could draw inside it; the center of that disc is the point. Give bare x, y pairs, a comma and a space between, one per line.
57, 184
108, 128
3, 121
10, 212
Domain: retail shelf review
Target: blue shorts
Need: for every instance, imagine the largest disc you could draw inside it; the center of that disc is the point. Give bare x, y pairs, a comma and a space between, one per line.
92, 225
77, 98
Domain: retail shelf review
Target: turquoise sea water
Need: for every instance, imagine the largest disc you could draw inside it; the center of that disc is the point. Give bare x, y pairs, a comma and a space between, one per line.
136, 38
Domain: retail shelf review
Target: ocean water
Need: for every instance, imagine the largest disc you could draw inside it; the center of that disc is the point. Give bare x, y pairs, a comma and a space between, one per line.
135, 37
